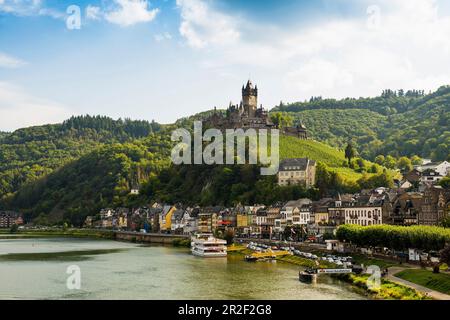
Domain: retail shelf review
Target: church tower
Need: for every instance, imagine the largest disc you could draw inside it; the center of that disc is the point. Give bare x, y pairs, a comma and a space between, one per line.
250, 99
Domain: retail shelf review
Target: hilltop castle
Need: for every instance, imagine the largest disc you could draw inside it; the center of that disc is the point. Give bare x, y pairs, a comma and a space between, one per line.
247, 115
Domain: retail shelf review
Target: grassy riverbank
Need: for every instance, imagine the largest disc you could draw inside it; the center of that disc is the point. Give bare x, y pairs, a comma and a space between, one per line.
387, 290
426, 278
371, 261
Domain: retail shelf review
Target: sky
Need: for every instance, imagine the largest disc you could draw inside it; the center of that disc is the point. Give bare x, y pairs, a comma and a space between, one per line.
166, 59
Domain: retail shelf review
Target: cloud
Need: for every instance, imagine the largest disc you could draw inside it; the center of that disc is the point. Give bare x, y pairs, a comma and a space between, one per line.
203, 26
162, 36
130, 12
93, 12
407, 48
20, 7
49, 12
20, 109
7, 61
29, 8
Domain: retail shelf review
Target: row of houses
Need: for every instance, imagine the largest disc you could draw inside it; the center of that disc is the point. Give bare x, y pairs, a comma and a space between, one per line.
10, 218
425, 175
369, 207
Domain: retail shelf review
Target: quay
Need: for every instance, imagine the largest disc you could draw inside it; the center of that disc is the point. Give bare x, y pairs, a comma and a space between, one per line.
157, 238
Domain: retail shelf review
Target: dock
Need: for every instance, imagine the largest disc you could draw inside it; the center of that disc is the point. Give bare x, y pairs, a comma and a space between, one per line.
268, 255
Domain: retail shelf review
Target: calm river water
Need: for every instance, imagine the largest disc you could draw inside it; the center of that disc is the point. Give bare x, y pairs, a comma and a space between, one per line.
36, 269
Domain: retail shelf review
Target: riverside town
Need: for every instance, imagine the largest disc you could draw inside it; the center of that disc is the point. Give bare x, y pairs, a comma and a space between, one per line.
225, 158
392, 225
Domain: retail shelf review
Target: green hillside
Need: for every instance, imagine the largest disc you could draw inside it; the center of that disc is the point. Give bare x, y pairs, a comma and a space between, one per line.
291, 147
397, 123
101, 178
31, 153
104, 176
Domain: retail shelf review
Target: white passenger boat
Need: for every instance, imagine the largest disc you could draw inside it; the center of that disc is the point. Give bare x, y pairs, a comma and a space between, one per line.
207, 246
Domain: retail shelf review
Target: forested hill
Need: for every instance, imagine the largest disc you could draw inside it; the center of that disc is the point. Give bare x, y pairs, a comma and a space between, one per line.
397, 123
105, 176
69, 170
29, 153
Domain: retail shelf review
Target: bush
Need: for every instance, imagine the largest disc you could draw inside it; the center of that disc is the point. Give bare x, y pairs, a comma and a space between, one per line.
181, 243
14, 228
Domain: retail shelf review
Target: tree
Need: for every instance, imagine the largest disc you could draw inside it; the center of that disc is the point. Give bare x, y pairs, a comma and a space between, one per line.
445, 255
416, 160
229, 236
14, 228
390, 162
446, 222
404, 164
350, 153
445, 183
281, 120
379, 160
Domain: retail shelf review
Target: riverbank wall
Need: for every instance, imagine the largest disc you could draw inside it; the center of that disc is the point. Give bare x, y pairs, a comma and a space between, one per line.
135, 237
156, 238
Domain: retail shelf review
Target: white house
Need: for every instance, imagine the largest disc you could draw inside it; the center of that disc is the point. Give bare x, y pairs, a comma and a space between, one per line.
442, 168
363, 215
189, 222
430, 176
297, 212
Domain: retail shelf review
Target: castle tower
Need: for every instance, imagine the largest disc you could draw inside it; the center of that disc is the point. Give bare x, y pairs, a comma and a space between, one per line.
250, 99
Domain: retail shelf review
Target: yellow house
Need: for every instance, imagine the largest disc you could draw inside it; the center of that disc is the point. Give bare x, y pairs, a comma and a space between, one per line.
122, 223
165, 219
321, 218
241, 220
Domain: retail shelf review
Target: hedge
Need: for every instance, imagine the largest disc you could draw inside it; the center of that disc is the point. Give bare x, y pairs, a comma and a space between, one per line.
395, 237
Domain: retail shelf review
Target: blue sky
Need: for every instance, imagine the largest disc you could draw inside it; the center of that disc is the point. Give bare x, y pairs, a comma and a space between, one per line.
165, 59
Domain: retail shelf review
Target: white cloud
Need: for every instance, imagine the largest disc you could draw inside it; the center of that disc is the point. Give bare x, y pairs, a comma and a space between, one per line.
29, 8
20, 109
93, 12
334, 58
49, 12
202, 26
162, 36
21, 7
7, 61
130, 12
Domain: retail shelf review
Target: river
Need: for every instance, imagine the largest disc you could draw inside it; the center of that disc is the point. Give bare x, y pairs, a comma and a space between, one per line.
36, 269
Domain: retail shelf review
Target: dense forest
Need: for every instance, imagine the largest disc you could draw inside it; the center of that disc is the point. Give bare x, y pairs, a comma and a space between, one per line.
397, 123
30, 153
101, 178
